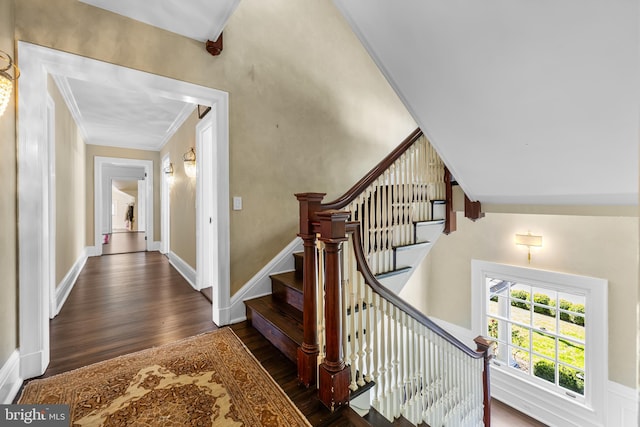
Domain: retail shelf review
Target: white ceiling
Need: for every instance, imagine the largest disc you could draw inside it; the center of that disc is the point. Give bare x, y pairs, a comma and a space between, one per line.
114, 116
527, 102
110, 115
200, 20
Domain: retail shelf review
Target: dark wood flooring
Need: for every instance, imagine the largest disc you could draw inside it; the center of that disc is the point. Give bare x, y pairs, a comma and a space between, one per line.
129, 302
121, 304
123, 242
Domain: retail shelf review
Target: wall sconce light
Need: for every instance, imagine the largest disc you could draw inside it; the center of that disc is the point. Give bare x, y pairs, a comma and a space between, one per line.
190, 163
169, 169
6, 81
529, 240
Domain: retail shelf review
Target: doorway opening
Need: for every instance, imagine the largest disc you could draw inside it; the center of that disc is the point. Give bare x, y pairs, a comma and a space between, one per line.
37, 63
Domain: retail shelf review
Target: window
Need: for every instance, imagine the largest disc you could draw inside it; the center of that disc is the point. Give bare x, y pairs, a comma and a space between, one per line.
540, 333
551, 333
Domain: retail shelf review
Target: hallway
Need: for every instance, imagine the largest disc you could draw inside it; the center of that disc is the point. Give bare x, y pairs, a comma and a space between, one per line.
121, 304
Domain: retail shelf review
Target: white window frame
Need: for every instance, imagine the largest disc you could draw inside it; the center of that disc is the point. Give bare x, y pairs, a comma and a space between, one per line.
525, 393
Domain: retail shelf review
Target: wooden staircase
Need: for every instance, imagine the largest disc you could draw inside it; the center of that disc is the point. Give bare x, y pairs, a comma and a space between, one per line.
365, 335
279, 316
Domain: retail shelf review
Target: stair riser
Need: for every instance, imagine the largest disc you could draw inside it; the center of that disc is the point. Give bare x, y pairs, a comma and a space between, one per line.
287, 294
286, 345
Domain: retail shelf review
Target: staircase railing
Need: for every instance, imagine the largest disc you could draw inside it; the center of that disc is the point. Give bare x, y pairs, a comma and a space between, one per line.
392, 197
359, 331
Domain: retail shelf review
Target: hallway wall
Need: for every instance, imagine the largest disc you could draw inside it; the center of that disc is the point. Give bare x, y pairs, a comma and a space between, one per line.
70, 186
305, 99
8, 204
182, 192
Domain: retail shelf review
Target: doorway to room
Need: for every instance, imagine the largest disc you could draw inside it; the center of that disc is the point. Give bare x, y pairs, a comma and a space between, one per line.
127, 218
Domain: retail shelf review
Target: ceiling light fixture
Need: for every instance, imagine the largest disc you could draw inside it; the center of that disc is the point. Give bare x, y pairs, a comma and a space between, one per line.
189, 159
529, 240
6, 81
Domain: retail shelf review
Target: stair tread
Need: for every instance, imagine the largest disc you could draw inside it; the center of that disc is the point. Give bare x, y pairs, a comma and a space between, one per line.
290, 279
401, 270
412, 245
283, 316
429, 222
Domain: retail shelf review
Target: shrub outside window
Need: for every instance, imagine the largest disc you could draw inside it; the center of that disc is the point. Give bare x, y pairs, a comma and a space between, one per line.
540, 332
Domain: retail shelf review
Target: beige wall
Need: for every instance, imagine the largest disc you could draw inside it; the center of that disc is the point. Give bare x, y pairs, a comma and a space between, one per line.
8, 236
597, 246
124, 153
309, 110
182, 193
70, 182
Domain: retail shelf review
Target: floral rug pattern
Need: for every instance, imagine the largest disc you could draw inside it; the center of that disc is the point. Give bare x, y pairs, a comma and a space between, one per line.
208, 380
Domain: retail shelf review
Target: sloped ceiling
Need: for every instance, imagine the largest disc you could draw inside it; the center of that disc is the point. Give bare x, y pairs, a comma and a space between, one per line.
527, 102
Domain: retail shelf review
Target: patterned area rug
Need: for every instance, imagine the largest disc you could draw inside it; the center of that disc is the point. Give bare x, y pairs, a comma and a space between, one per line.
207, 380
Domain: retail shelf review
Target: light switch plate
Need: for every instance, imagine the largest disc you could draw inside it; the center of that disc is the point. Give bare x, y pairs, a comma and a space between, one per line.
237, 203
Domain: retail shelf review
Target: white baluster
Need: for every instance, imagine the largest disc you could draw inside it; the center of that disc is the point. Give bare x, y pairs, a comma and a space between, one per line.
362, 331
376, 336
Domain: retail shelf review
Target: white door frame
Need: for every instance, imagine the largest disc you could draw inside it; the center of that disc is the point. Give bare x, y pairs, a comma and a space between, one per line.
206, 233
36, 62
51, 207
165, 207
101, 178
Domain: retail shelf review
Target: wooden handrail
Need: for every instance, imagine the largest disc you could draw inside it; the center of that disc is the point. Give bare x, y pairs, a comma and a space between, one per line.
363, 268
373, 174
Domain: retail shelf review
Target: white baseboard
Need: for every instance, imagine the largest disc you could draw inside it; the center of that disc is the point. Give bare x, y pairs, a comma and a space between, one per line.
621, 409
94, 250
69, 280
260, 284
10, 381
188, 272
154, 246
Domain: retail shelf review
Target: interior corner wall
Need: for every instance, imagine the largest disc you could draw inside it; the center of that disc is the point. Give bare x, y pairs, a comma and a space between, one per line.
598, 246
69, 186
182, 193
93, 151
8, 204
308, 108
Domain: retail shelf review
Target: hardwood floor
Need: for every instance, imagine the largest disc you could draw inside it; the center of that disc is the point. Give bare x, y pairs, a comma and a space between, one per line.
129, 302
125, 242
121, 304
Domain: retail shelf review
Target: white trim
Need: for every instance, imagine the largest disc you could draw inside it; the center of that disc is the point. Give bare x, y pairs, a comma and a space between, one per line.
10, 381
67, 94
66, 284
185, 270
260, 284
622, 405
99, 196
36, 62
154, 246
165, 206
51, 203
520, 393
177, 123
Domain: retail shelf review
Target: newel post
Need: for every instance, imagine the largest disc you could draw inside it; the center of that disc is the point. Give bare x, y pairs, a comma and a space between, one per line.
483, 346
308, 351
334, 375
450, 216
